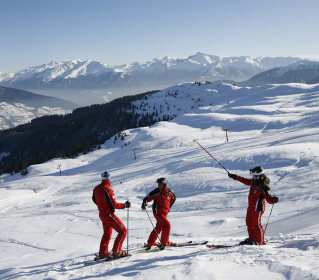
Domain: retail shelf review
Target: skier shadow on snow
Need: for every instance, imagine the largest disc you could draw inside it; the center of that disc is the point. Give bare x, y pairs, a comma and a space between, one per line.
134, 266
137, 266
6, 271
37, 270
303, 245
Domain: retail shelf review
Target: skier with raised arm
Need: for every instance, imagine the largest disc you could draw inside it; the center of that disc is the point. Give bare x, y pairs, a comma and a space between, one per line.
163, 198
258, 194
103, 197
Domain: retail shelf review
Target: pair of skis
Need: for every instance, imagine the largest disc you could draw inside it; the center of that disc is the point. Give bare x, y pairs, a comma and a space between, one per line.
155, 249
183, 244
220, 246
189, 243
235, 245
97, 259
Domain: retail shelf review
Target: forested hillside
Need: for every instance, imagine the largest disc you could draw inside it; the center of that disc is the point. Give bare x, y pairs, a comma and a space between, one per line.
68, 135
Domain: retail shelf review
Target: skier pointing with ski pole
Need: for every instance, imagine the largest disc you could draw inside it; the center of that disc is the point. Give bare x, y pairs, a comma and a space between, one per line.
163, 198
211, 155
103, 197
259, 192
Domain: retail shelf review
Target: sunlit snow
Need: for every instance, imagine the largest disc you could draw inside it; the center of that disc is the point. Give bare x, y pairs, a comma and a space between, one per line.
50, 226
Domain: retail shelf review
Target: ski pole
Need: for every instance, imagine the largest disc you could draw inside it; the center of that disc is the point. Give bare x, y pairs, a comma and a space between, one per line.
211, 156
161, 245
128, 216
268, 220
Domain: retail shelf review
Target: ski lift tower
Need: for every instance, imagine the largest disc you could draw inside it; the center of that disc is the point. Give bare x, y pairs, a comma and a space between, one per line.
226, 129
134, 149
59, 167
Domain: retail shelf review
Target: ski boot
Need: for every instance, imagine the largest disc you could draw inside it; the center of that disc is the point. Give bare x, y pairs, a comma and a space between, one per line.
121, 254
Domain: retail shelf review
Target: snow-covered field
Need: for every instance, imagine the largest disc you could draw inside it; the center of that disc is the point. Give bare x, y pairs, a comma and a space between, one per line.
15, 114
50, 227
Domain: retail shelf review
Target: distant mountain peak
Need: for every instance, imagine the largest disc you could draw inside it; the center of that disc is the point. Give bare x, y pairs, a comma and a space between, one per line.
133, 78
302, 71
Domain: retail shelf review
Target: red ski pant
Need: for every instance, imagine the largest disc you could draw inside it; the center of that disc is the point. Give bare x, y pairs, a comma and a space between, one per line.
255, 229
112, 222
162, 225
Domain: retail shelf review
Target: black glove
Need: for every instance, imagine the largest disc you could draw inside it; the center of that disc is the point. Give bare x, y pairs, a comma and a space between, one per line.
127, 204
233, 176
143, 205
275, 199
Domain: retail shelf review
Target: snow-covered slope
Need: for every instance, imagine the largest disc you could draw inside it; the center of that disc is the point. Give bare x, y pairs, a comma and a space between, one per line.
19, 106
300, 72
95, 79
50, 227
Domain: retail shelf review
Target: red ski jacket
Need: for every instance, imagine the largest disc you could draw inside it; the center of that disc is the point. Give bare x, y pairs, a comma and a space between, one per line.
256, 197
163, 200
103, 197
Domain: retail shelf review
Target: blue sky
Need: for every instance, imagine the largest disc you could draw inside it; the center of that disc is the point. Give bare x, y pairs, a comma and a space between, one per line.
114, 32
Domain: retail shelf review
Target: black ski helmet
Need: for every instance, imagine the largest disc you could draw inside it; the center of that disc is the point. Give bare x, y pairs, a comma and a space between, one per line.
256, 171
162, 180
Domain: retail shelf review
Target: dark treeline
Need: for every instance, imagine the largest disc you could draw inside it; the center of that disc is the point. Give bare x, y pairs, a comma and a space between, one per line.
68, 135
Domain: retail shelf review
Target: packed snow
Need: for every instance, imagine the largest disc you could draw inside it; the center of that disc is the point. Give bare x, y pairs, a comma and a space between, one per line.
50, 227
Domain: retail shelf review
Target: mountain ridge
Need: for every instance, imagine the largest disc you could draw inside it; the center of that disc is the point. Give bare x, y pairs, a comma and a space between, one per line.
69, 74
301, 72
20, 106
91, 82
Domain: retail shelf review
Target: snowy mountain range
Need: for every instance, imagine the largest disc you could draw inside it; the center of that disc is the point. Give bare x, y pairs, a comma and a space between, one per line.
75, 80
301, 72
20, 106
50, 228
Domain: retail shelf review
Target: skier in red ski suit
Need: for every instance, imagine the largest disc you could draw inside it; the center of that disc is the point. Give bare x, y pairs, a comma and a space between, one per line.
259, 192
103, 197
163, 198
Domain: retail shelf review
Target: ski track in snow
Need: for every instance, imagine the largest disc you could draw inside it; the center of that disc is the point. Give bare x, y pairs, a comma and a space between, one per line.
50, 228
